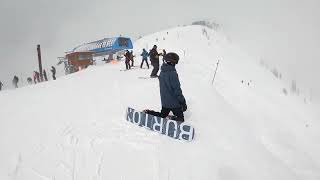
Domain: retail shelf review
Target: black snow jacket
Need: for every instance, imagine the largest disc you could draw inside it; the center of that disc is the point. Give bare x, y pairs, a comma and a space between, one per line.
127, 55
154, 55
170, 90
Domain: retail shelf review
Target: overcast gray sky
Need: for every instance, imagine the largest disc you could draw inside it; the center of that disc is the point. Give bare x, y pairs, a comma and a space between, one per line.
283, 32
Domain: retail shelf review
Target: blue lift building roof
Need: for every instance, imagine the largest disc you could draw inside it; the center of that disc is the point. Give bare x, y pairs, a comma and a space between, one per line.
106, 46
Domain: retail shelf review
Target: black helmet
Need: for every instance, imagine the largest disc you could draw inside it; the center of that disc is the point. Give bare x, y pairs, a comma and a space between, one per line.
171, 58
154, 47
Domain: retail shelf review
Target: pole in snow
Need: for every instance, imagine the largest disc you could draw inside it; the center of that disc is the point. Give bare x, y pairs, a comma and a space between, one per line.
215, 72
40, 63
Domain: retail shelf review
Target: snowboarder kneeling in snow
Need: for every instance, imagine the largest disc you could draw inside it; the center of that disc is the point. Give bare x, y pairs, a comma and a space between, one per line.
172, 98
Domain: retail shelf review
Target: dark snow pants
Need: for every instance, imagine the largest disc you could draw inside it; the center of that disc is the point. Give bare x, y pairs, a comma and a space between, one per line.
155, 69
144, 60
165, 112
128, 64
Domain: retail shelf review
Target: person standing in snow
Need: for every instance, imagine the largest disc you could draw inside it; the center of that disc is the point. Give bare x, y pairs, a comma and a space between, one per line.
53, 71
164, 52
154, 58
131, 58
1, 85
127, 61
144, 55
29, 80
36, 77
15, 81
45, 75
118, 57
172, 98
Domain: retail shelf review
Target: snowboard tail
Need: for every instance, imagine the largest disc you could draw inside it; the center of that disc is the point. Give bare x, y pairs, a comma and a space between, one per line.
171, 128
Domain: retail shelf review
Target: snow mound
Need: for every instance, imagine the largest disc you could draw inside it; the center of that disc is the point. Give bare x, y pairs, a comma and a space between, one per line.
246, 128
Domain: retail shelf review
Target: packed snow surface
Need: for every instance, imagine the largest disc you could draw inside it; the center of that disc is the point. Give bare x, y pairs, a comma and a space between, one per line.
246, 127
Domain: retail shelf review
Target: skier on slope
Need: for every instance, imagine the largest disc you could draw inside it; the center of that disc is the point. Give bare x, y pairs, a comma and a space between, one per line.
145, 56
29, 80
53, 71
15, 81
154, 58
172, 98
45, 75
1, 85
36, 77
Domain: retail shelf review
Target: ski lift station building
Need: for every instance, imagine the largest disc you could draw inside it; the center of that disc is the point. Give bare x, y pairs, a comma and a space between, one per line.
83, 55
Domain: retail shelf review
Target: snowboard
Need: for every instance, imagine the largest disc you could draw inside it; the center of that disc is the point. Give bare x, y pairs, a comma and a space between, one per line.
174, 129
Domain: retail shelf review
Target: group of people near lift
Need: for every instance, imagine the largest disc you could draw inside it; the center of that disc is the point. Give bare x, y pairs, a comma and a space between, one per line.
153, 54
36, 78
172, 98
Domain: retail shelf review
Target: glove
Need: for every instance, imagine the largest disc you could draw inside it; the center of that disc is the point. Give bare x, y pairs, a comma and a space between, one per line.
148, 111
184, 107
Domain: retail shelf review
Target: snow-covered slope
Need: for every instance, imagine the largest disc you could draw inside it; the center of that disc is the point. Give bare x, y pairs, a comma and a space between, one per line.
74, 128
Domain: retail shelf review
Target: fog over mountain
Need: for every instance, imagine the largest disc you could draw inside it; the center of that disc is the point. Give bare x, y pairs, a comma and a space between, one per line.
284, 33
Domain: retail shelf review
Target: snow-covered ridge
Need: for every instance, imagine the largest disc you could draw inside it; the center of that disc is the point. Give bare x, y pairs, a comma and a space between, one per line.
246, 128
